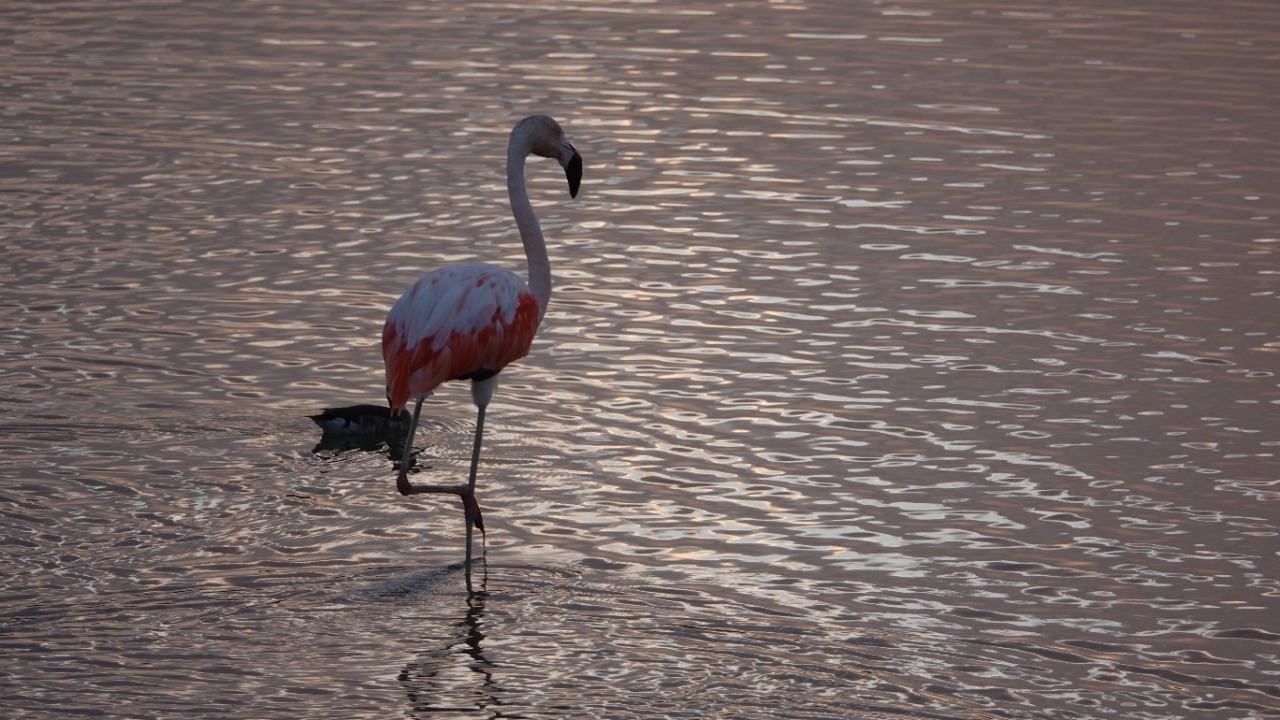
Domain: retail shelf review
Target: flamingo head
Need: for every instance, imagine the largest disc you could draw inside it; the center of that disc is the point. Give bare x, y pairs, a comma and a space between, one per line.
548, 140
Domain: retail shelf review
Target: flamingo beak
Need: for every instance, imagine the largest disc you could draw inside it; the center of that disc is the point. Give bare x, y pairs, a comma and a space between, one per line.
573, 171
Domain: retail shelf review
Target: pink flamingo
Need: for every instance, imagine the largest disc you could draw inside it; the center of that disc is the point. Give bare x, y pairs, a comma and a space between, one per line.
468, 322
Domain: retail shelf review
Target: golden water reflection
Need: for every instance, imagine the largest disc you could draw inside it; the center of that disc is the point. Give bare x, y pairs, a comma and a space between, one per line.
904, 361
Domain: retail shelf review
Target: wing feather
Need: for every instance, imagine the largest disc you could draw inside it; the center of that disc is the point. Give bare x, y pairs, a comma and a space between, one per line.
453, 323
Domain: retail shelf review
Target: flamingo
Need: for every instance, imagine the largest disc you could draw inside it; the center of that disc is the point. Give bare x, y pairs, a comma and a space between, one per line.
468, 322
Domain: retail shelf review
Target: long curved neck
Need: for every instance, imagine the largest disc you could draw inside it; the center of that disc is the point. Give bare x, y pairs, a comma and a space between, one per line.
535, 247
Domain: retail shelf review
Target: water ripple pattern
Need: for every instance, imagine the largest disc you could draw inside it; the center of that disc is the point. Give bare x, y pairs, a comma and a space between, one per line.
907, 360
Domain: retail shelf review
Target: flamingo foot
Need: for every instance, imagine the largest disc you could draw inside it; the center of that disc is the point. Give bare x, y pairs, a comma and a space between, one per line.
471, 510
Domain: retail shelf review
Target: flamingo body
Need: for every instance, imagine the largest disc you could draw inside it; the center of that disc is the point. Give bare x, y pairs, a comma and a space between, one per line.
464, 321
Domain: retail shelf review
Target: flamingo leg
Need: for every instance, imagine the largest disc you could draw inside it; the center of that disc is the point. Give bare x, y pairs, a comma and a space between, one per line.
471, 508
406, 454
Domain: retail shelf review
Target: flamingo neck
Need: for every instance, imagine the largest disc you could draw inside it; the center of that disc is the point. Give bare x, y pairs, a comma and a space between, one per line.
535, 247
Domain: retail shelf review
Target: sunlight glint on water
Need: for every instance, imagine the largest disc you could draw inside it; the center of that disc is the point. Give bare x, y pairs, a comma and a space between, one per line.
905, 361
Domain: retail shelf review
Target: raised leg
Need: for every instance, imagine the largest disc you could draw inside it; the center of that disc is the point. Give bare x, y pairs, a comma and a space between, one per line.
406, 454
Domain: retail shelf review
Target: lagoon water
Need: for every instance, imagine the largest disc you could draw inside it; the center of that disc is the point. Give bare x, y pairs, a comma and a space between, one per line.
907, 360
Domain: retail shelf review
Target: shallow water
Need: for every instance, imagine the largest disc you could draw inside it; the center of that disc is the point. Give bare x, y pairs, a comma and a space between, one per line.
906, 360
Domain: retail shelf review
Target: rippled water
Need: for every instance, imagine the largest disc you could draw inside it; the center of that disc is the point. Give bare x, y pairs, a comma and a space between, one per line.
906, 360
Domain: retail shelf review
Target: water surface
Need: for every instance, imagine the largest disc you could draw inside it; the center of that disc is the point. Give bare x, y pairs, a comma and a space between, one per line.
906, 360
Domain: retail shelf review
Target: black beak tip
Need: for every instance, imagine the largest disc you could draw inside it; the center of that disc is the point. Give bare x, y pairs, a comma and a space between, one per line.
573, 171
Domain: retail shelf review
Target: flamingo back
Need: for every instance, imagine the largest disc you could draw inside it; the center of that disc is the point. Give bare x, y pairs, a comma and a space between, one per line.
454, 323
